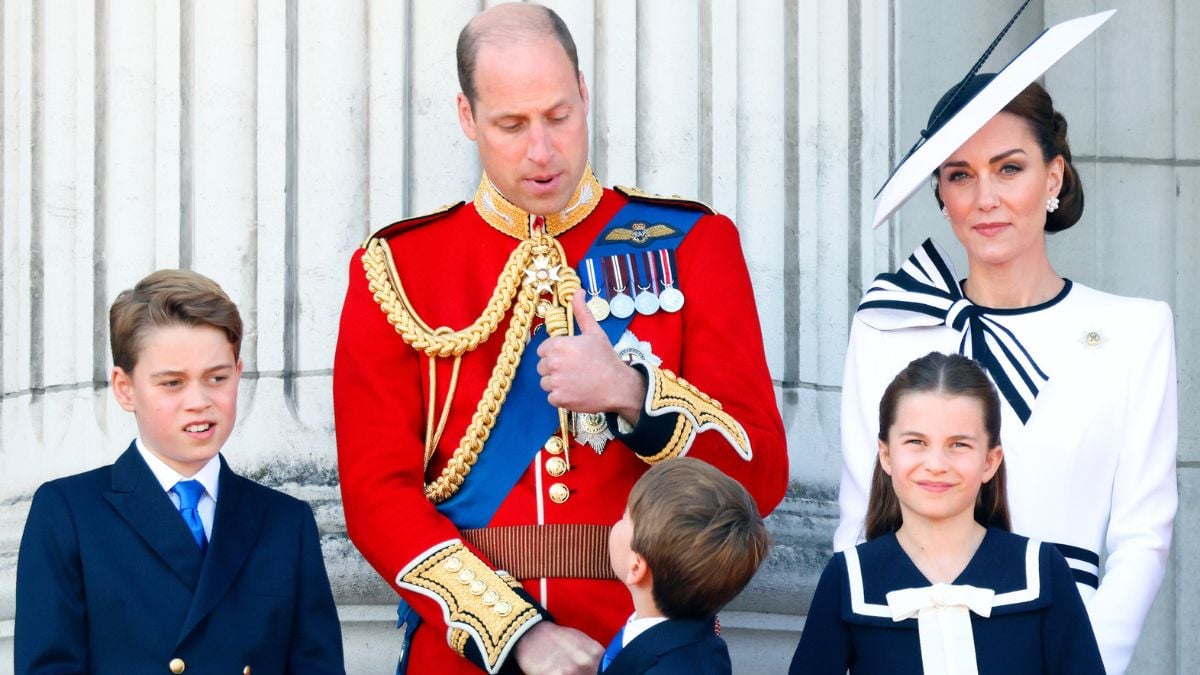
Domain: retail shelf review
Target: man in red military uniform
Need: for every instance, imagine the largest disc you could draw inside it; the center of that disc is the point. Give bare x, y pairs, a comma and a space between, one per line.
506, 369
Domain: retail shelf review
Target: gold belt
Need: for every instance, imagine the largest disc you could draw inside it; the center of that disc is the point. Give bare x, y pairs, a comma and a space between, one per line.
545, 551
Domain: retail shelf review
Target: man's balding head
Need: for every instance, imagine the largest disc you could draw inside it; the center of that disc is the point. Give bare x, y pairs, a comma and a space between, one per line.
507, 24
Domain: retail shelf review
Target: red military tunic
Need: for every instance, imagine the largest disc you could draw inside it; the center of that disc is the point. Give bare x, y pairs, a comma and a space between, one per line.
448, 265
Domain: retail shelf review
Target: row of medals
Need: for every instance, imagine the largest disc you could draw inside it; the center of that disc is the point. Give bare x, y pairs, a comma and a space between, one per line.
611, 283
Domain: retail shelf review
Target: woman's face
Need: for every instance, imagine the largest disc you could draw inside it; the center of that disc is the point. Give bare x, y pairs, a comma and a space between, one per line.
995, 188
938, 456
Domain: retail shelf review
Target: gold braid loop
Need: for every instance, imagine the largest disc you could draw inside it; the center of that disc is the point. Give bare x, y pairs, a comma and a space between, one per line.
567, 286
467, 452
556, 322
385, 286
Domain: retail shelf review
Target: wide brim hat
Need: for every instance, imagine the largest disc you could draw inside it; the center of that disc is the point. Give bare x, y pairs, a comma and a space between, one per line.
975, 100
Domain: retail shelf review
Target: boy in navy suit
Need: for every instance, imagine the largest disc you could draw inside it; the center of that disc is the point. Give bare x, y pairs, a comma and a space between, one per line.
167, 561
690, 540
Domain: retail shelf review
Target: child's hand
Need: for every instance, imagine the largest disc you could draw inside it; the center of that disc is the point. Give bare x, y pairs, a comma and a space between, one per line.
550, 649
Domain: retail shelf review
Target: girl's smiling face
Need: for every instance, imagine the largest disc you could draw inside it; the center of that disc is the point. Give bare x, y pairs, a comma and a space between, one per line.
937, 455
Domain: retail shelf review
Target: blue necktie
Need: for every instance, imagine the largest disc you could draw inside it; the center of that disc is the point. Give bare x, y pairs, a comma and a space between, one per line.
614, 648
189, 492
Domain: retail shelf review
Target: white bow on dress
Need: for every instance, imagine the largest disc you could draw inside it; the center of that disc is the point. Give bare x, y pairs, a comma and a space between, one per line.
943, 623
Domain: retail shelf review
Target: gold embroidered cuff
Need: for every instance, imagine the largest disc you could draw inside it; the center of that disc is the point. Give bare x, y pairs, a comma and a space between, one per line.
666, 393
479, 605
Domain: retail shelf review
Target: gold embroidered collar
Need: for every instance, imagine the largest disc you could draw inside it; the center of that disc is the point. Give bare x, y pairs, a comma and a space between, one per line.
517, 223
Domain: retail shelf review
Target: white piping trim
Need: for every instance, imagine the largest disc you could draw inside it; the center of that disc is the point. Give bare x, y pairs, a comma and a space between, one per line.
859, 605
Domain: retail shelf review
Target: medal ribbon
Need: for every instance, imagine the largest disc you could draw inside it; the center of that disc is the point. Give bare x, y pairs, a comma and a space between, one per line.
631, 272
651, 272
666, 263
618, 279
594, 287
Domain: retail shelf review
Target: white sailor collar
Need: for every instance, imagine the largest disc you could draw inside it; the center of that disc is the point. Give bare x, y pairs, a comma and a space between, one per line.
1009, 564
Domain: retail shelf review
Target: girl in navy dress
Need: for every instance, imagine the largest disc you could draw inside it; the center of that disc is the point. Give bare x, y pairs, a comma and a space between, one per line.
941, 586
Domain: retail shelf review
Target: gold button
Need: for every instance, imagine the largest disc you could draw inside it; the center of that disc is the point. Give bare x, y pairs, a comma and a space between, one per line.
559, 493
177, 665
453, 564
502, 608
1093, 339
490, 598
542, 309
477, 587
554, 446
466, 576
556, 466
246, 670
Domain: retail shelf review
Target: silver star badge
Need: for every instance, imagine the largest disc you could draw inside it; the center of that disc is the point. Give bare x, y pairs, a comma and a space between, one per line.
542, 274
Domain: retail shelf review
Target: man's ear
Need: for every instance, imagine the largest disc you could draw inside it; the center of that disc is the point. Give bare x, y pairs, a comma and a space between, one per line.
122, 386
466, 117
583, 93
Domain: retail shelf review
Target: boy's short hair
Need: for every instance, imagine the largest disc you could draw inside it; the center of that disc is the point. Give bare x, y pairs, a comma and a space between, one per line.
169, 298
700, 533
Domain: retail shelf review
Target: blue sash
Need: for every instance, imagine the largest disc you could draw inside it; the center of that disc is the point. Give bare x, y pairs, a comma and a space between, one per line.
527, 419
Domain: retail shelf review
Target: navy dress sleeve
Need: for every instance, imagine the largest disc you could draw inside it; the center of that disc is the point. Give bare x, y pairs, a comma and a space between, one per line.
825, 642
1068, 643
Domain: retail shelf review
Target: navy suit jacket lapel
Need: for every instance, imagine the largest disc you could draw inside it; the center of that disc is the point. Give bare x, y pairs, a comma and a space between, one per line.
139, 498
236, 526
644, 650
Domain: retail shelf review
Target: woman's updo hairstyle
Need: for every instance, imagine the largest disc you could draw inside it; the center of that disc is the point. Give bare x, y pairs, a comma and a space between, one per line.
1049, 128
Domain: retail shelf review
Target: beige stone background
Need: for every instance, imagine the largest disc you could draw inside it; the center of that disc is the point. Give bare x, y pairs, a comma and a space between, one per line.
258, 141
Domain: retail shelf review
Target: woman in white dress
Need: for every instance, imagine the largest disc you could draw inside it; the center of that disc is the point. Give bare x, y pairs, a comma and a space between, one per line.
1087, 378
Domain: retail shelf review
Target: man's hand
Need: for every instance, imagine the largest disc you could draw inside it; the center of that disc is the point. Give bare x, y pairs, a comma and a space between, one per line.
583, 374
553, 649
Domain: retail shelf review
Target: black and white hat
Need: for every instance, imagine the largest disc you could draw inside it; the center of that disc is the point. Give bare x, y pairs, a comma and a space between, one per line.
976, 99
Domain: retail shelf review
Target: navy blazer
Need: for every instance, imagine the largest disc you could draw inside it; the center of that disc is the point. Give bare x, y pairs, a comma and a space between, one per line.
109, 580
689, 646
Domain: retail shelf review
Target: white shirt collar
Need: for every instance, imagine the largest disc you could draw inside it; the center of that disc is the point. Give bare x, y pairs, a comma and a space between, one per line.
167, 477
635, 627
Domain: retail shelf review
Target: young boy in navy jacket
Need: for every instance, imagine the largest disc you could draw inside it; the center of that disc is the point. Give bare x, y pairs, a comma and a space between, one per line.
690, 540
166, 560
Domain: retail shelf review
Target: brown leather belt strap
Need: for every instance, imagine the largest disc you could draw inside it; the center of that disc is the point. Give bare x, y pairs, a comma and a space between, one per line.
551, 551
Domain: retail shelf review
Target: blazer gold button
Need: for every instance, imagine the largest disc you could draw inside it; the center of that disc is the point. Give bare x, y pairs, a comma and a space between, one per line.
177, 666
554, 446
559, 493
246, 670
556, 466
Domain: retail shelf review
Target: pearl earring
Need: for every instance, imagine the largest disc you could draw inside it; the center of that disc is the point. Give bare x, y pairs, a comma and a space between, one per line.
1052, 205
945, 213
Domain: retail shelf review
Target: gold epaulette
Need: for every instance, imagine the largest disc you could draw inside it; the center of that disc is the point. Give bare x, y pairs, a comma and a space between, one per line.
415, 221
637, 194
